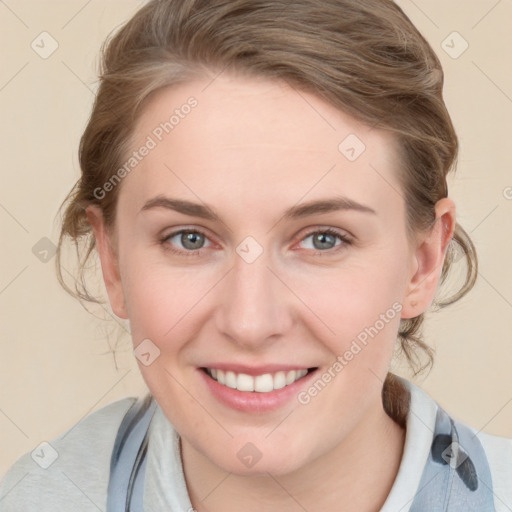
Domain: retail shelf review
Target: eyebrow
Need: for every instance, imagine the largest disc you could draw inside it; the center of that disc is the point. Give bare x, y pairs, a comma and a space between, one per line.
327, 205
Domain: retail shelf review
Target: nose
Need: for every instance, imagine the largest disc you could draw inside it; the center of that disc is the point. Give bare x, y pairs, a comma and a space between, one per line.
256, 307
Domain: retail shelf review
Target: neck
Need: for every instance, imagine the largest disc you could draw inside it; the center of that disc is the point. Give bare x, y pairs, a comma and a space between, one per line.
356, 475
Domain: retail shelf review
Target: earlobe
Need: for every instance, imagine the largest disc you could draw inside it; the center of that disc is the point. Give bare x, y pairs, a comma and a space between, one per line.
109, 261
428, 259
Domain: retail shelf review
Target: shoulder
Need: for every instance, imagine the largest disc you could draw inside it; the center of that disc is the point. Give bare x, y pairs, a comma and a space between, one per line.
498, 451
491, 455
70, 472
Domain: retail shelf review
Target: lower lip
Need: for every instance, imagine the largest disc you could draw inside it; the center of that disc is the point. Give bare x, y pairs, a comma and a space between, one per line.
253, 401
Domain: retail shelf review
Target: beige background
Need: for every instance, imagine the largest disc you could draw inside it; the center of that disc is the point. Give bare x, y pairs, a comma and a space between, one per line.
55, 365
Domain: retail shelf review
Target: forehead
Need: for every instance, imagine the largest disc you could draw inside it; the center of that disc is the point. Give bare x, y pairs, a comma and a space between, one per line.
253, 137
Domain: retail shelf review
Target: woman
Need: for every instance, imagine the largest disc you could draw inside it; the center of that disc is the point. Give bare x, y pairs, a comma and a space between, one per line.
265, 185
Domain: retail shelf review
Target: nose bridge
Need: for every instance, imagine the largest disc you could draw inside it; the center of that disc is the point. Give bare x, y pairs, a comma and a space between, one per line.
253, 306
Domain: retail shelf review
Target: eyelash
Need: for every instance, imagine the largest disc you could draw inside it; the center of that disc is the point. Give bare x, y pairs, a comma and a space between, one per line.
164, 241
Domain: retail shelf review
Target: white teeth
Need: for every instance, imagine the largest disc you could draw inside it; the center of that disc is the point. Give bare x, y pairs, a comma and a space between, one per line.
261, 384
230, 379
244, 382
264, 383
279, 380
290, 377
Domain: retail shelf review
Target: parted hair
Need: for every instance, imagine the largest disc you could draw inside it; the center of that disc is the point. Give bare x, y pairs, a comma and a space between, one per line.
364, 57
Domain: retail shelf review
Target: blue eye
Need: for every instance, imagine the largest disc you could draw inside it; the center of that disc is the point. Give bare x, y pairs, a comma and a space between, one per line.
326, 239
193, 241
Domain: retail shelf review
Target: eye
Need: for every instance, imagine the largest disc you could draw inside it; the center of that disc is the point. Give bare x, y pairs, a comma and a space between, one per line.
191, 241
326, 239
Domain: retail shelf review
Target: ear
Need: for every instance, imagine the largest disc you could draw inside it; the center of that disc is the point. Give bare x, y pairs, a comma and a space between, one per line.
428, 259
109, 260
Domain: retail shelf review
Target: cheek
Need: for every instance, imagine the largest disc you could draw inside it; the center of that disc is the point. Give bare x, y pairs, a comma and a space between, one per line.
362, 306
167, 304
157, 297
349, 301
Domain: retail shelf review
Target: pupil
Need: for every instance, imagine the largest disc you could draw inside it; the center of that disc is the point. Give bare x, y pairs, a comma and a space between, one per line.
323, 239
191, 238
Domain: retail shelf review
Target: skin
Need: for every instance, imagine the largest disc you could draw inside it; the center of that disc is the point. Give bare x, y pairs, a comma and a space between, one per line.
251, 149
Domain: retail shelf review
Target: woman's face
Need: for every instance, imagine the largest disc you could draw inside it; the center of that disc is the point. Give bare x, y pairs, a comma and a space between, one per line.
261, 235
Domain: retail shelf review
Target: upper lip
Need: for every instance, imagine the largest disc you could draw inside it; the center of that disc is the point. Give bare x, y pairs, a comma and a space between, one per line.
256, 370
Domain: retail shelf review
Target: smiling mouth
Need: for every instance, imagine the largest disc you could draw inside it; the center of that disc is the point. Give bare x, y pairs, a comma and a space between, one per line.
261, 383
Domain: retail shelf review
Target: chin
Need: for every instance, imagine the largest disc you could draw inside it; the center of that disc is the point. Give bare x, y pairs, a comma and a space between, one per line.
257, 458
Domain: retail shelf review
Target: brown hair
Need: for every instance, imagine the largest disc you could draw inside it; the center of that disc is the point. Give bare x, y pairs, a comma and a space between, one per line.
364, 57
